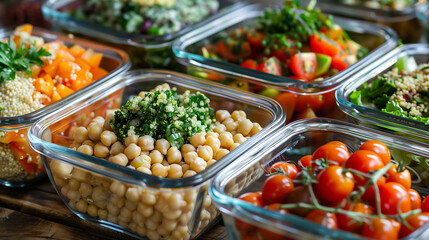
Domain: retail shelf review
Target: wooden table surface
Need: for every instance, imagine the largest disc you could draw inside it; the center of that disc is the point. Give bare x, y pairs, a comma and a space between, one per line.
37, 212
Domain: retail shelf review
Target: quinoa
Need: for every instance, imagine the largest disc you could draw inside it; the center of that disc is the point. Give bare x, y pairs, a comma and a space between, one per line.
10, 170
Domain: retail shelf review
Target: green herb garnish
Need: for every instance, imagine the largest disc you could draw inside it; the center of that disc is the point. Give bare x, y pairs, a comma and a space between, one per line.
164, 114
14, 59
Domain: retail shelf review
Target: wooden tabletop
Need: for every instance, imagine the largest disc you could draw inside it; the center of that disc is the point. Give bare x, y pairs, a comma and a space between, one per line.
37, 212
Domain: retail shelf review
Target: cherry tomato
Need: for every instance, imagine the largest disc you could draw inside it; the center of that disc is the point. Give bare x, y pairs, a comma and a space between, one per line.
252, 235
379, 148
369, 194
288, 101
425, 204
381, 229
276, 188
255, 38
233, 50
336, 152
323, 218
305, 161
403, 177
254, 198
329, 104
289, 169
333, 185
414, 221
393, 195
342, 62
276, 207
271, 66
304, 65
299, 194
416, 200
314, 101
322, 44
349, 224
364, 161
307, 113
270, 235
250, 63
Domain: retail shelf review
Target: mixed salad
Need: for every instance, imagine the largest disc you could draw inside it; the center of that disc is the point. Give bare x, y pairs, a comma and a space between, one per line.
396, 5
34, 74
152, 17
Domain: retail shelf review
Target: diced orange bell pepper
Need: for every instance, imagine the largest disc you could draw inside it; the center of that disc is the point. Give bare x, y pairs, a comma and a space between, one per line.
98, 73
55, 96
92, 58
28, 28
63, 90
65, 55
77, 51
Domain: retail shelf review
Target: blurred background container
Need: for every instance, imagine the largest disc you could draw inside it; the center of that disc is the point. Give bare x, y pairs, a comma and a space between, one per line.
15, 12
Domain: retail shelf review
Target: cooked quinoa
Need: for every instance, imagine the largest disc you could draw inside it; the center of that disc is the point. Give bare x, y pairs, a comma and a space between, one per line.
413, 83
10, 170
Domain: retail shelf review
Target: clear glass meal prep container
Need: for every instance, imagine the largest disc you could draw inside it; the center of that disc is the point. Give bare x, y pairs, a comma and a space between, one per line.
379, 39
115, 61
374, 117
294, 141
403, 21
144, 50
194, 217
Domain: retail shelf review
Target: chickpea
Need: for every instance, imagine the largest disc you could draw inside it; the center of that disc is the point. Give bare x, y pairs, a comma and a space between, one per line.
244, 126
102, 214
117, 148
92, 210
219, 154
80, 134
226, 139
144, 170
156, 156
100, 150
255, 129
148, 198
221, 115
86, 150
213, 142
239, 138
159, 170
85, 189
187, 148
132, 151
118, 188
234, 146
110, 115
198, 139
174, 155
61, 169
94, 131
236, 115
212, 134
82, 206
175, 171
99, 194
88, 142
132, 194
198, 165
74, 184
162, 145
141, 161
185, 167
98, 120
131, 139
219, 128
146, 143
230, 124
119, 159
205, 152
189, 173
190, 157
108, 138
113, 209
211, 162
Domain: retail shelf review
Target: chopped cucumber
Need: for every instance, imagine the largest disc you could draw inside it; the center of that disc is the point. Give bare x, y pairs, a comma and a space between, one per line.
323, 64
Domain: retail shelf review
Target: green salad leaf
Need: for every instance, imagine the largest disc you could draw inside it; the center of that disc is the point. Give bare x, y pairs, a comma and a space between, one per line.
378, 93
394, 108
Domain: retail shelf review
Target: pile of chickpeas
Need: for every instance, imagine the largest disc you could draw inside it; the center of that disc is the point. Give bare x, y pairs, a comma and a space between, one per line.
153, 213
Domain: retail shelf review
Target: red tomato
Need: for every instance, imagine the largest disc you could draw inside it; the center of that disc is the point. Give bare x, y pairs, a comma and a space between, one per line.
271, 66
270, 235
416, 200
379, 148
276, 207
342, 62
299, 194
252, 235
425, 204
364, 161
329, 104
381, 229
230, 51
324, 45
314, 101
285, 53
250, 63
305, 161
414, 221
336, 152
288, 101
304, 65
254, 198
403, 177
393, 195
255, 38
307, 113
335, 32
323, 218
349, 224
289, 169
369, 194
333, 185
276, 188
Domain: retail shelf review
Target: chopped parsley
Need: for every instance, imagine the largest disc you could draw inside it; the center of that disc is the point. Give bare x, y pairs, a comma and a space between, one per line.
14, 59
164, 114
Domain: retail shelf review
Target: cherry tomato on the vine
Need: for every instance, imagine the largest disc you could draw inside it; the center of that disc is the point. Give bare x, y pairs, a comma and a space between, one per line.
378, 147
381, 229
276, 188
425, 204
336, 152
254, 198
414, 221
403, 177
352, 225
394, 196
416, 200
289, 169
305, 161
323, 218
333, 184
364, 161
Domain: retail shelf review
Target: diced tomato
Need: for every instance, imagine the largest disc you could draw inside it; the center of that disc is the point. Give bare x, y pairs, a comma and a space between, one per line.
342, 62
250, 63
307, 113
231, 52
288, 102
271, 65
336, 32
304, 65
255, 38
324, 45
285, 53
314, 101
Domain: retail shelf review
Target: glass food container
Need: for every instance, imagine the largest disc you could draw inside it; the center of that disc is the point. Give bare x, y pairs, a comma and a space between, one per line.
114, 61
378, 39
423, 16
373, 117
144, 50
402, 19
296, 140
130, 201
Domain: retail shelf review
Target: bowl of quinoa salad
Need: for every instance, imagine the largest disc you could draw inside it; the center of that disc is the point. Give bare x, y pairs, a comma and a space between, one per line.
144, 28
142, 165
39, 72
392, 94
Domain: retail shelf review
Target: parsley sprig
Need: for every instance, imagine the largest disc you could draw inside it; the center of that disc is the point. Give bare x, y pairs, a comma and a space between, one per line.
13, 59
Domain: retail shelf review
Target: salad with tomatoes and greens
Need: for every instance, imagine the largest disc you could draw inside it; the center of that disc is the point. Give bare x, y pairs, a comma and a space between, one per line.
362, 192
